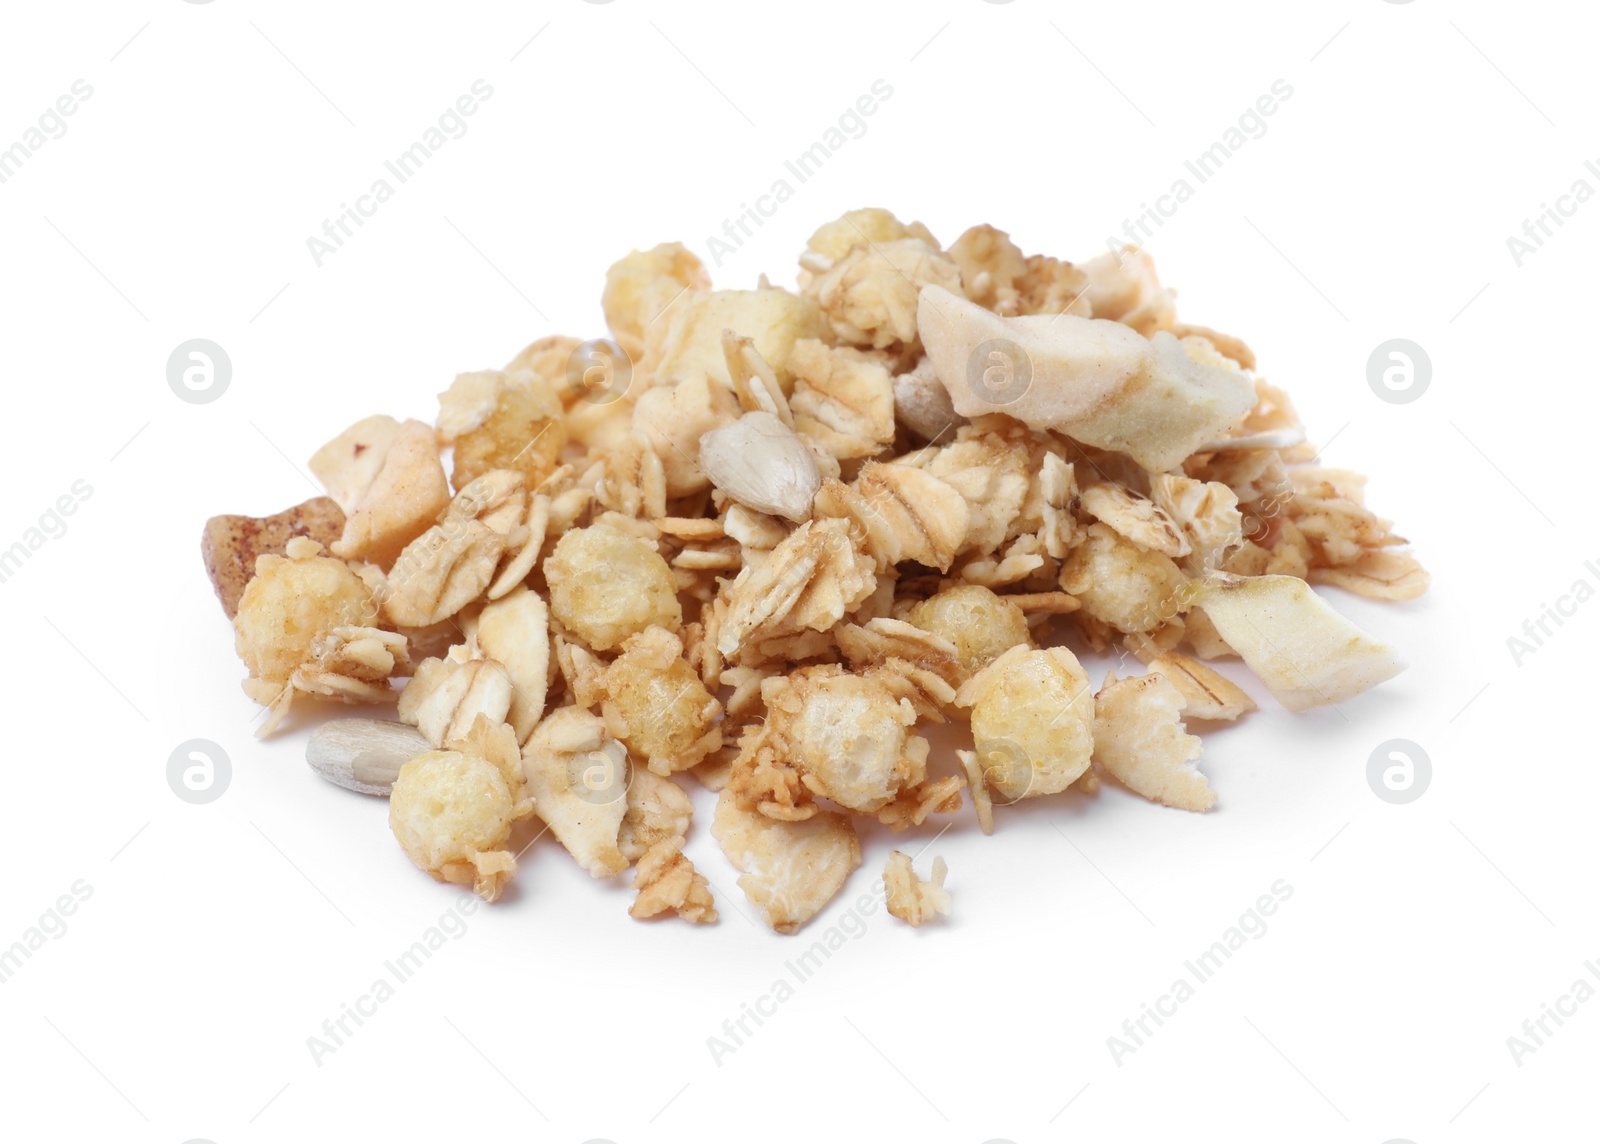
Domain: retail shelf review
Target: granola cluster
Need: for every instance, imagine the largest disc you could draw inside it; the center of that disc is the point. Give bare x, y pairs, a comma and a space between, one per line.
760, 540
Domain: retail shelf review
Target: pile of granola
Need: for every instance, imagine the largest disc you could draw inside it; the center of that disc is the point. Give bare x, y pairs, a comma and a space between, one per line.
761, 538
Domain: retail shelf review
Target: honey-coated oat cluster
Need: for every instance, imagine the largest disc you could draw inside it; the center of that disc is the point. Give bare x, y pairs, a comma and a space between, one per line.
766, 538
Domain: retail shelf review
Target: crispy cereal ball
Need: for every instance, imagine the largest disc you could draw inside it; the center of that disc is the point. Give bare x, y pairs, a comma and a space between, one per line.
642, 284
656, 704
981, 624
291, 601
1032, 721
1119, 583
451, 811
520, 429
606, 585
849, 733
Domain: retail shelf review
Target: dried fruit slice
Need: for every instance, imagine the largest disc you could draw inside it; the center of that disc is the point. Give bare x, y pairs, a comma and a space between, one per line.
1306, 653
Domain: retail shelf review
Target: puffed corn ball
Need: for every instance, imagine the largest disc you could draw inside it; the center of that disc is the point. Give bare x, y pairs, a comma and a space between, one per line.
982, 624
1032, 721
850, 735
289, 603
606, 585
452, 811
1128, 587
657, 705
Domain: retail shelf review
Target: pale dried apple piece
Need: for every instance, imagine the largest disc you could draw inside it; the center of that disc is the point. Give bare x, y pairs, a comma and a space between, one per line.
686, 343
911, 899
347, 465
1139, 738
674, 419
1306, 653
1123, 287
1096, 381
505, 421
790, 870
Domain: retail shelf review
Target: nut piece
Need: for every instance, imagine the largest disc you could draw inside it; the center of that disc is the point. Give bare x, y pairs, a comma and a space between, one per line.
666, 880
761, 463
230, 544
606, 585
1307, 654
363, 755
1139, 738
790, 870
1096, 381
1032, 721
910, 898
404, 495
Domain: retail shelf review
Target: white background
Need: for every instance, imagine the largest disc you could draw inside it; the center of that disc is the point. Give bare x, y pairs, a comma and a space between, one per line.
219, 937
